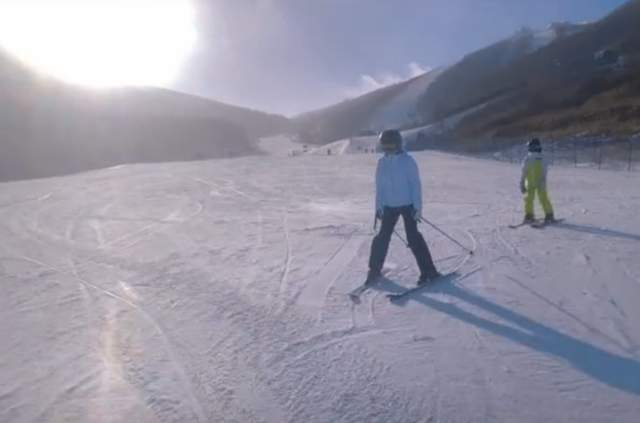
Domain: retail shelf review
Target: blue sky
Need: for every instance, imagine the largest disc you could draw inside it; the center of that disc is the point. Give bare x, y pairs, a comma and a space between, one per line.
289, 56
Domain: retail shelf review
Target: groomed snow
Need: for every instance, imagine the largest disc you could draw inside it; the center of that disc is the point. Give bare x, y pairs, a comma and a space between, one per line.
216, 292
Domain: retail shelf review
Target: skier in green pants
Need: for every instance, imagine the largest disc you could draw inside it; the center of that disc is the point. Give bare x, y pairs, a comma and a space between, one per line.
534, 180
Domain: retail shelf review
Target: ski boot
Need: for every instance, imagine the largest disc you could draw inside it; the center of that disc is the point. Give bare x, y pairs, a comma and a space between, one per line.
372, 277
528, 219
425, 279
549, 218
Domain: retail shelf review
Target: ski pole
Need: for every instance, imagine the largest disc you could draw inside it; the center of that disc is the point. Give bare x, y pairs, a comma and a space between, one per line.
446, 235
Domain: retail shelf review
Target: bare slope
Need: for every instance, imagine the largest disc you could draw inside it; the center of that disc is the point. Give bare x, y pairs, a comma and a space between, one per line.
560, 89
50, 128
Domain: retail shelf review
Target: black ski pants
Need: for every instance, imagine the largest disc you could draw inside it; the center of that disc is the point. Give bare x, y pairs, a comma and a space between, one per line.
417, 244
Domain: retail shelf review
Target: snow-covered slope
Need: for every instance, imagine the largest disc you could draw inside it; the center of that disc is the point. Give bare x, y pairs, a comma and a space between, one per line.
355, 145
401, 110
216, 292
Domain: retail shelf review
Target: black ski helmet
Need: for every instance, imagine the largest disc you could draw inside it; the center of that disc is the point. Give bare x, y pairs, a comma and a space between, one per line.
391, 136
534, 146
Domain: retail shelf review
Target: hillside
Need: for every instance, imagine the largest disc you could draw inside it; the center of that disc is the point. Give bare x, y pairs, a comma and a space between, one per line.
566, 80
417, 102
217, 292
392, 106
585, 82
50, 128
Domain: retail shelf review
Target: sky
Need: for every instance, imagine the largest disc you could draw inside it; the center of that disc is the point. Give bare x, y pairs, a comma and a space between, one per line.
291, 56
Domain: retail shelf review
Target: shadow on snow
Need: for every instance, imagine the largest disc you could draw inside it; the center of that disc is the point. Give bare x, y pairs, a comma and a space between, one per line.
614, 370
597, 231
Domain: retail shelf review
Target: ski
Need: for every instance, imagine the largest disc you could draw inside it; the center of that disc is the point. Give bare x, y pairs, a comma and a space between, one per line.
356, 293
521, 224
538, 223
366, 285
404, 294
544, 223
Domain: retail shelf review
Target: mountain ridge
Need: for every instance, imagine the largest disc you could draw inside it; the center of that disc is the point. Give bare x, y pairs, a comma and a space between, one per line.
50, 128
565, 80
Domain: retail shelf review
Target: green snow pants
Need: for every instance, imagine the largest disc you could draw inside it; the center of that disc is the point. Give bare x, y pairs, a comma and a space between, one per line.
542, 196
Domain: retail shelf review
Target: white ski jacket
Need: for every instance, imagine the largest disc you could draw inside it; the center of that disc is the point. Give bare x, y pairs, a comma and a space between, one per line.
398, 182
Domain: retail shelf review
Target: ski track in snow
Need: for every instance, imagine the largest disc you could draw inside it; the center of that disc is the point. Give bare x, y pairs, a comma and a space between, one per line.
217, 291
197, 407
313, 296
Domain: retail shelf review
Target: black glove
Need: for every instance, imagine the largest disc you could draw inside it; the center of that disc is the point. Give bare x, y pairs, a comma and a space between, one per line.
379, 214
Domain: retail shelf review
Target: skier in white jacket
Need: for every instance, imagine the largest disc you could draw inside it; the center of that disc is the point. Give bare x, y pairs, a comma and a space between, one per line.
398, 193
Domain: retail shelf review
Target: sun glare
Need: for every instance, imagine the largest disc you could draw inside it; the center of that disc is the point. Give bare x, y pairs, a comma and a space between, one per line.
100, 43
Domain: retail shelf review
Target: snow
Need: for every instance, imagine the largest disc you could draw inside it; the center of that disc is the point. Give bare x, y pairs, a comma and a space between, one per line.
543, 38
447, 124
354, 145
278, 145
216, 292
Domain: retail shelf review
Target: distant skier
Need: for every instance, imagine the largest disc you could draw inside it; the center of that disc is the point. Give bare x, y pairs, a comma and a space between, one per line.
534, 180
398, 193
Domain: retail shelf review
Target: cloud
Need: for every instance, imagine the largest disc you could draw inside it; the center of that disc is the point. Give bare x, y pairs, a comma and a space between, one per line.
416, 69
368, 83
